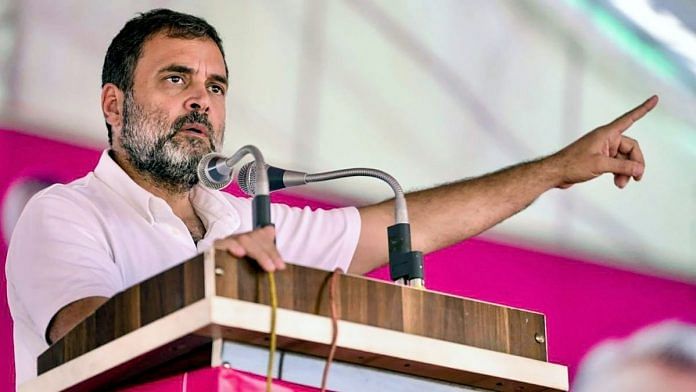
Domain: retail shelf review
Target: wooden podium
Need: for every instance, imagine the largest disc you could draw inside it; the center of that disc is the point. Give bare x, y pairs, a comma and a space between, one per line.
177, 321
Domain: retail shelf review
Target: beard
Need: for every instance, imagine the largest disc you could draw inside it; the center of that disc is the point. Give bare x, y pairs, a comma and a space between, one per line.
154, 150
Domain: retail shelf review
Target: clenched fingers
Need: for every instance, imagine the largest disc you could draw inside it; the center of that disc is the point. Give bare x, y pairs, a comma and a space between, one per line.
621, 168
258, 245
621, 180
629, 149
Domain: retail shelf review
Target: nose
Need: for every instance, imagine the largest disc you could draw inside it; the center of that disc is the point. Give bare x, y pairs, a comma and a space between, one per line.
196, 107
198, 100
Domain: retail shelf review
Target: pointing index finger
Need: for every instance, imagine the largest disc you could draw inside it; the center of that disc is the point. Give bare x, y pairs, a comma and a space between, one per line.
627, 119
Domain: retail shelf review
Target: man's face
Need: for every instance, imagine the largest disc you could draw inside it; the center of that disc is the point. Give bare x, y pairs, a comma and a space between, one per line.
175, 112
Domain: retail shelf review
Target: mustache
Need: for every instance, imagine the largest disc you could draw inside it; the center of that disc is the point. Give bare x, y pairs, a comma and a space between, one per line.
193, 118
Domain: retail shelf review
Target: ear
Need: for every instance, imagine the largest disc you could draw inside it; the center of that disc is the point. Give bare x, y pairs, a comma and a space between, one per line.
112, 106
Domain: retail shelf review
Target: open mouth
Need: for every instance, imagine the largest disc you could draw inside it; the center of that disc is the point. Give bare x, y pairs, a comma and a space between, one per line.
195, 129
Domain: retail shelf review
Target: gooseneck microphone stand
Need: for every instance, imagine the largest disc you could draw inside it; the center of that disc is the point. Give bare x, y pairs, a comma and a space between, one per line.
215, 172
405, 264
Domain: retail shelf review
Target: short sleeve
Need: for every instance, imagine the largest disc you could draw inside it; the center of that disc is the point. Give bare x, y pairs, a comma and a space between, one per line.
59, 254
324, 239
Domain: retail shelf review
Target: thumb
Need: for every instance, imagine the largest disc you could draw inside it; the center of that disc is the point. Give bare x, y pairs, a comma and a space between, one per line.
620, 166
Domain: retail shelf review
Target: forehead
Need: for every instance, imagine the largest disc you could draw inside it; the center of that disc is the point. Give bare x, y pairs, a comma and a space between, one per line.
197, 53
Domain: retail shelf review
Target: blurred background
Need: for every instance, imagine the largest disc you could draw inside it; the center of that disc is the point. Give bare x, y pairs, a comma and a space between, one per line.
430, 91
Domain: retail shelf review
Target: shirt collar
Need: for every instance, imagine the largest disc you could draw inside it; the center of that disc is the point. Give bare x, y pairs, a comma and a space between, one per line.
217, 213
210, 205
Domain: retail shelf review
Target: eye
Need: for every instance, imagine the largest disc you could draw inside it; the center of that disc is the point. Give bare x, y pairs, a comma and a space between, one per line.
175, 79
216, 89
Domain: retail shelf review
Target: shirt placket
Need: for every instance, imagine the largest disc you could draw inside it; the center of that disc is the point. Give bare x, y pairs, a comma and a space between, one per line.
171, 225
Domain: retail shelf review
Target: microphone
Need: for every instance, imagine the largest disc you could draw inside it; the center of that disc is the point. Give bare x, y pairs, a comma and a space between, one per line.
277, 178
405, 265
215, 172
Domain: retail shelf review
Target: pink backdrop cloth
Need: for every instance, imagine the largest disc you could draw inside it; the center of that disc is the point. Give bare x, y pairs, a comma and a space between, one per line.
584, 302
217, 379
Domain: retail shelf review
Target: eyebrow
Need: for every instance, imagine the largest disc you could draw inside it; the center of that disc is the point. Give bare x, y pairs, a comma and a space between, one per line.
189, 71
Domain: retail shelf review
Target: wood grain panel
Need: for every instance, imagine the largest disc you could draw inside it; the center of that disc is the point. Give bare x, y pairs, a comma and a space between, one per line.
361, 300
523, 331
381, 304
129, 310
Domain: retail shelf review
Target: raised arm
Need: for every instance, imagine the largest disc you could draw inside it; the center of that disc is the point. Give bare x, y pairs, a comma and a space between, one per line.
451, 213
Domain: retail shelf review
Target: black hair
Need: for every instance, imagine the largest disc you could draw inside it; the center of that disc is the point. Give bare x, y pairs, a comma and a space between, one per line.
126, 47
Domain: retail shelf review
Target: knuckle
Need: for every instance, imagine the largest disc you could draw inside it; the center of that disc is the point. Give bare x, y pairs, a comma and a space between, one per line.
632, 142
240, 238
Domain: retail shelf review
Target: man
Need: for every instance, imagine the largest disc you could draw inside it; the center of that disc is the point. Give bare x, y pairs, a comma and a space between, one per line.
657, 358
141, 211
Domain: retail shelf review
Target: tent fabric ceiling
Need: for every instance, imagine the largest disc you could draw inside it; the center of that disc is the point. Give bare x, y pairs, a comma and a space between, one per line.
427, 93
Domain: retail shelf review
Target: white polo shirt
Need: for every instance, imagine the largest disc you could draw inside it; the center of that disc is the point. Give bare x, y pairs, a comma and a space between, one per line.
103, 233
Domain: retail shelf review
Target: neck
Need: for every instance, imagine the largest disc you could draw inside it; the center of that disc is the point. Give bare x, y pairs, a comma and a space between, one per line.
176, 196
